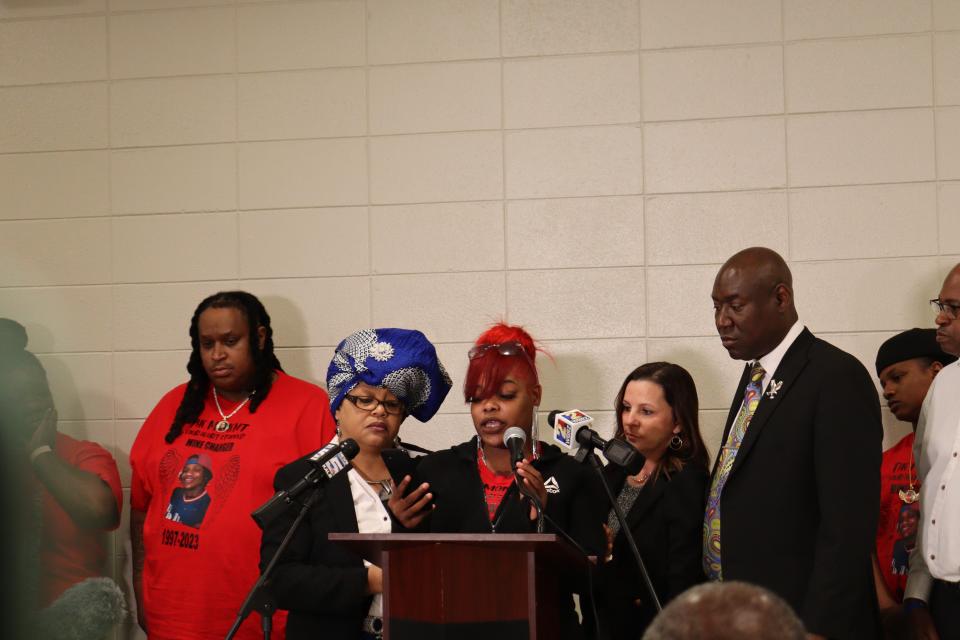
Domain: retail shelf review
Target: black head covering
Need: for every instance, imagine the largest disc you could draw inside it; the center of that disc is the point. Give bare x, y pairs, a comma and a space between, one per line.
914, 343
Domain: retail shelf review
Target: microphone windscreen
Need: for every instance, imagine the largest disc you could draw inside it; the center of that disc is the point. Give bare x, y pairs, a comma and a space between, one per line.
85, 611
514, 433
349, 448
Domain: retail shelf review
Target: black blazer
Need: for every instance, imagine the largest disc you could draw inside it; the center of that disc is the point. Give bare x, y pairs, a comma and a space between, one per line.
799, 509
667, 523
322, 584
578, 507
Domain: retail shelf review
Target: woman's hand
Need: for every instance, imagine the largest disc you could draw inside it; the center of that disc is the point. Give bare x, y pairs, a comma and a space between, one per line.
374, 579
410, 510
608, 533
532, 484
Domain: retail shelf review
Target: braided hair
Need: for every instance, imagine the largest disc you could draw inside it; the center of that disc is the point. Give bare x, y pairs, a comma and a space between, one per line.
264, 360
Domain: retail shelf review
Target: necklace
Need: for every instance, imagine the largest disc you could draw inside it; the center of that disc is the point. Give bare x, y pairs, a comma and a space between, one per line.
482, 458
223, 425
385, 485
910, 495
640, 479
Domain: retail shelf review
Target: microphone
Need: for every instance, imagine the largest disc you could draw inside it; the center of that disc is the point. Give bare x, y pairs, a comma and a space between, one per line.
515, 438
334, 458
324, 464
578, 423
88, 609
566, 424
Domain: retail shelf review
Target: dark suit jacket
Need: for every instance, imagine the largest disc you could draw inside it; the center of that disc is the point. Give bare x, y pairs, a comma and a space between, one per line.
322, 584
799, 509
460, 506
667, 523
578, 507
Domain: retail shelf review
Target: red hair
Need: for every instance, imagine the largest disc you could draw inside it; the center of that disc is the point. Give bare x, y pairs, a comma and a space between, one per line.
487, 371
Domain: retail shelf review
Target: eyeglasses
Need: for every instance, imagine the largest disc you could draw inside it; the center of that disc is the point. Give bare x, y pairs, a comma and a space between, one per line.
512, 348
368, 404
949, 309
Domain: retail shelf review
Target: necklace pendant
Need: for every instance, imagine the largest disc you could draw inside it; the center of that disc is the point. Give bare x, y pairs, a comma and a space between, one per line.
222, 426
909, 496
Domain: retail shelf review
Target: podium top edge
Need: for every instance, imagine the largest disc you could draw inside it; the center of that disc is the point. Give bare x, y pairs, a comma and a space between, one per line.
495, 538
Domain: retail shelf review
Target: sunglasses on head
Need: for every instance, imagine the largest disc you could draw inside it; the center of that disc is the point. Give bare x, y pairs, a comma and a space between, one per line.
512, 348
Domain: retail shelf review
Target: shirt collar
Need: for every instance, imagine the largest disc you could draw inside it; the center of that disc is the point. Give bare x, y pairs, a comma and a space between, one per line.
772, 360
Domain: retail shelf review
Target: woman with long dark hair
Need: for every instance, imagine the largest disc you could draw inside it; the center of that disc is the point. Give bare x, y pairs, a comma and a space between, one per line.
239, 419
656, 413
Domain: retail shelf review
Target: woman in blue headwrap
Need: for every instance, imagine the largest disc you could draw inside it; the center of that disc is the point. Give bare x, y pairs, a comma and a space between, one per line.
376, 379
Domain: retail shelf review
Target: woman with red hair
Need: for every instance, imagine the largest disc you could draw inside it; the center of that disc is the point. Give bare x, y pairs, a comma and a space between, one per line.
471, 487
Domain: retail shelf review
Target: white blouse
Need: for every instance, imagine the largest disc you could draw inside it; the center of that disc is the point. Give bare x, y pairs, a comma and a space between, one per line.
372, 517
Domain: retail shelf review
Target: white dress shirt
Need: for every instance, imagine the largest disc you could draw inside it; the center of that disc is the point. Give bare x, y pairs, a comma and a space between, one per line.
372, 517
937, 452
772, 360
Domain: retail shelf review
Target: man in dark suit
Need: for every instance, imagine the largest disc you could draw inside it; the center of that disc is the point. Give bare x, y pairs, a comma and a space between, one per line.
792, 504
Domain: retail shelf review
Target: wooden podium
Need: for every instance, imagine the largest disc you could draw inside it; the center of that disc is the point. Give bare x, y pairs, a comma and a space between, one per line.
457, 586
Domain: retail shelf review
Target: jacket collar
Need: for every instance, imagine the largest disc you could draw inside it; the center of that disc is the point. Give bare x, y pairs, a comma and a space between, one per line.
647, 498
787, 372
341, 503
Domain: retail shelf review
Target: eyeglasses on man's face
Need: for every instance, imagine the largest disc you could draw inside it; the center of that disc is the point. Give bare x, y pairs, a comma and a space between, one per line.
369, 403
949, 309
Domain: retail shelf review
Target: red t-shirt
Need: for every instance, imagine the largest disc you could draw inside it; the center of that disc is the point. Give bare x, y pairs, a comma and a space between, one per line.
202, 557
68, 553
494, 487
897, 526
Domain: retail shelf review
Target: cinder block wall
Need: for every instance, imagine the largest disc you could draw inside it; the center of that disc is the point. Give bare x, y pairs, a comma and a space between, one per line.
578, 167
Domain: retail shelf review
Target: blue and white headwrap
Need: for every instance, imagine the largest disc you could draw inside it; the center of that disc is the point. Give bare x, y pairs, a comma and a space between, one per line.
400, 360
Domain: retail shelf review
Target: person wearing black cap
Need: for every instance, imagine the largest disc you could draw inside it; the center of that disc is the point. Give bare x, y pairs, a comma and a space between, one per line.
906, 365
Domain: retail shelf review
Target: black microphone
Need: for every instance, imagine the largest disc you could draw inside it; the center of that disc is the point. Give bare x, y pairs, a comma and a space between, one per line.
515, 438
329, 458
324, 464
615, 450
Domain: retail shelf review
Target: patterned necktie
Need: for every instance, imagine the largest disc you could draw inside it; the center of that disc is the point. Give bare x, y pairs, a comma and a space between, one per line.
728, 453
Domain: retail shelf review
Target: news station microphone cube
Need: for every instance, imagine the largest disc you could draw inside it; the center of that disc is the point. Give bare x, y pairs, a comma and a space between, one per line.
566, 426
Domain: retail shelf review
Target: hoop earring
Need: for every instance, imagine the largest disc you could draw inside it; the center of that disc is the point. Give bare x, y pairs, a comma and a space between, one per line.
534, 434
676, 442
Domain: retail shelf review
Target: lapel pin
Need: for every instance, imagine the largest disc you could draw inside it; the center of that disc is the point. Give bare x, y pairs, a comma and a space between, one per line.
774, 388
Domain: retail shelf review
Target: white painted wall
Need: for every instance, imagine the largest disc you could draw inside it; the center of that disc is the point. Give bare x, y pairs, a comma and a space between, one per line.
580, 167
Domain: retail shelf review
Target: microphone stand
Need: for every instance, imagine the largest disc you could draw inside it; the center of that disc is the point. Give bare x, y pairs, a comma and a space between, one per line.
259, 598
533, 500
588, 453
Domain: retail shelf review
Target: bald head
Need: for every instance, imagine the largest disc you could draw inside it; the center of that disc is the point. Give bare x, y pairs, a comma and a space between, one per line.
726, 611
753, 302
953, 274
764, 266
948, 329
